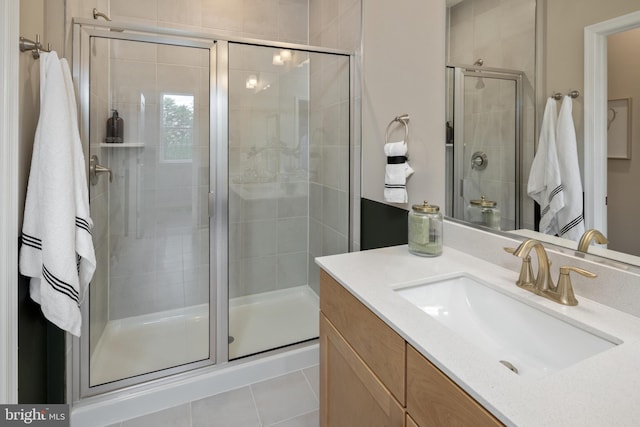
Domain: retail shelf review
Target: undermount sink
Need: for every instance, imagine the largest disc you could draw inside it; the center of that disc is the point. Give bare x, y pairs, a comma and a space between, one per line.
526, 340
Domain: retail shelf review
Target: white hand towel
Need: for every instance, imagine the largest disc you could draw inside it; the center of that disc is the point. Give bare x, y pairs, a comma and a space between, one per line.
57, 250
570, 217
545, 182
396, 174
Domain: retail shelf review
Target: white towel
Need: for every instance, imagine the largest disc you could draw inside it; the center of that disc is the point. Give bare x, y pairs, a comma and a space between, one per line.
545, 181
570, 217
57, 250
396, 174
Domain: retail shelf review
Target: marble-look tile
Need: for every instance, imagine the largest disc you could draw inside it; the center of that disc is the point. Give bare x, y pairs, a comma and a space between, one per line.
283, 397
229, 409
312, 419
313, 376
173, 417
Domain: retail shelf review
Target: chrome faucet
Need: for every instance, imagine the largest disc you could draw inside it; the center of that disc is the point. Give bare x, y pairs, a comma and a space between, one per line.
590, 236
543, 284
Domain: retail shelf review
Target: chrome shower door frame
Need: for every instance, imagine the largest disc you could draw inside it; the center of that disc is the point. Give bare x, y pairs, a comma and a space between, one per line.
460, 72
78, 385
77, 366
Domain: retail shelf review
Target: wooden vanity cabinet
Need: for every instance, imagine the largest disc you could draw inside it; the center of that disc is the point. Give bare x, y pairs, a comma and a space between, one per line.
434, 400
362, 363
369, 375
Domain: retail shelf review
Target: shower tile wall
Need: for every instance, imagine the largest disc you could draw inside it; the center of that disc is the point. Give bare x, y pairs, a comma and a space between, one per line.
335, 24
280, 20
503, 35
158, 205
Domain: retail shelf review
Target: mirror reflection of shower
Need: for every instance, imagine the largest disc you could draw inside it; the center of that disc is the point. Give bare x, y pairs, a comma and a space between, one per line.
484, 115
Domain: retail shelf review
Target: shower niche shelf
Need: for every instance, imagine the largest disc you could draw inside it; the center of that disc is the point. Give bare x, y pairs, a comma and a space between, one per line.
121, 144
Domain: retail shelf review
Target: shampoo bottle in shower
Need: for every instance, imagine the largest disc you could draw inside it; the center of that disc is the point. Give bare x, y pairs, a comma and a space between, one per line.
115, 128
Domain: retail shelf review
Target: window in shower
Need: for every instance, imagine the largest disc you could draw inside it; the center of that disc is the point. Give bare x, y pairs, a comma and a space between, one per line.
288, 190
177, 127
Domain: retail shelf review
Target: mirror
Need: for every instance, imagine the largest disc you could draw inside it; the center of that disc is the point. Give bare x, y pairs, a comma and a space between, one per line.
545, 41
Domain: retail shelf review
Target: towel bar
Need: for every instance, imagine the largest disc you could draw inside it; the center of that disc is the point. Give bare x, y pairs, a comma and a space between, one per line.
404, 119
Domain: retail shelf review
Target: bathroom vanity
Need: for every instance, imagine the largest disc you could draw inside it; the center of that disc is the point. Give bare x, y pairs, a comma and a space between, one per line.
370, 374
389, 359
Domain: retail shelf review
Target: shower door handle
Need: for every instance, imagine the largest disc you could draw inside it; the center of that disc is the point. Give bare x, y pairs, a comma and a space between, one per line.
212, 204
95, 168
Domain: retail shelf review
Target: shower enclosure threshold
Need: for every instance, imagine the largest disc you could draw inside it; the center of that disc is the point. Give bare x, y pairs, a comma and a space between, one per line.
147, 343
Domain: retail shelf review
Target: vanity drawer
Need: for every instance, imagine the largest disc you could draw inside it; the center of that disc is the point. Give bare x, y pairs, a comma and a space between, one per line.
381, 348
434, 400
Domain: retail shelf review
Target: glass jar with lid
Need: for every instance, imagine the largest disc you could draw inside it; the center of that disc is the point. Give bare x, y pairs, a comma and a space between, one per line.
425, 230
483, 212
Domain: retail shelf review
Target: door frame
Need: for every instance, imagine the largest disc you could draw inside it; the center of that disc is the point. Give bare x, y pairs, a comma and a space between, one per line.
9, 145
595, 116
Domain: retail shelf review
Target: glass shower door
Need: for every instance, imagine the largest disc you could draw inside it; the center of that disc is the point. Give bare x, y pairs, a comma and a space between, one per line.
288, 189
149, 300
487, 126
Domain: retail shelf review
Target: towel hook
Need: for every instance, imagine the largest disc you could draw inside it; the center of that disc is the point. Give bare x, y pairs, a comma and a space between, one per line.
402, 118
572, 94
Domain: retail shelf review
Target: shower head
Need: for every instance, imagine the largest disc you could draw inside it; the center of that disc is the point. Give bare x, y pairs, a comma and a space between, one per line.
480, 83
97, 14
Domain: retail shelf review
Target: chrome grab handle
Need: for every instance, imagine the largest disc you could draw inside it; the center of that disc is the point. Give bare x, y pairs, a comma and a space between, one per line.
95, 168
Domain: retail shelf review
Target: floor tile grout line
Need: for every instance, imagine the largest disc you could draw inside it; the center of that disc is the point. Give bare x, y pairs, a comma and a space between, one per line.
309, 382
255, 404
294, 417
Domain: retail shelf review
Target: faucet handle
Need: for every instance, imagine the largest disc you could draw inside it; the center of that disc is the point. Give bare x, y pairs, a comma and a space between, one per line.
564, 290
526, 278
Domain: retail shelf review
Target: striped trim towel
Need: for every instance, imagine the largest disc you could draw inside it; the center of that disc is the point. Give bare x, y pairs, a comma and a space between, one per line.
396, 173
57, 249
554, 181
545, 182
570, 217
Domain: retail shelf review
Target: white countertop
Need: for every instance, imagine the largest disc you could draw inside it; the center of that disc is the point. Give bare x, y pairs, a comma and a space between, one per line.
602, 390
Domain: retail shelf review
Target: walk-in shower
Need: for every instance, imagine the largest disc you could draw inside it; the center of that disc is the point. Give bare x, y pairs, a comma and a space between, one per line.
483, 154
233, 174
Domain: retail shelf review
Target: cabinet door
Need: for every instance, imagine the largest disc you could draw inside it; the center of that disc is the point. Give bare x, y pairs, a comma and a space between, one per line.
350, 394
409, 422
381, 348
434, 400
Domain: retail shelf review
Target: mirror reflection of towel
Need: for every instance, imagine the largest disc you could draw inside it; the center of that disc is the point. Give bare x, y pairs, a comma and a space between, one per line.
570, 217
545, 182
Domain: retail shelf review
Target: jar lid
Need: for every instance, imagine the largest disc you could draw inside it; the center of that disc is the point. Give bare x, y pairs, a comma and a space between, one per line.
426, 208
483, 202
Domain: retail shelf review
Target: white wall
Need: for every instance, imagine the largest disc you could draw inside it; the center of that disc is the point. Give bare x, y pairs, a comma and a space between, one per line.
564, 47
403, 71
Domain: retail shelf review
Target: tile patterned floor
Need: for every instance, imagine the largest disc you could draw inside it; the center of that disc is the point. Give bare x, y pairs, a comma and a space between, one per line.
290, 400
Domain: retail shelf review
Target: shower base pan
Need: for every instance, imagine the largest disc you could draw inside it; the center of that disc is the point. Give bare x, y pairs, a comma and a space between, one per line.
148, 343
